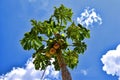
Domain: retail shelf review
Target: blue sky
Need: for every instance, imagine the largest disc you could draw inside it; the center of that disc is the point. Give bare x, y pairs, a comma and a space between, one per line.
15, 18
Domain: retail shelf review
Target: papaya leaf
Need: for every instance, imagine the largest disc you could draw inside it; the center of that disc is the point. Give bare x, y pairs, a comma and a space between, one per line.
71, 58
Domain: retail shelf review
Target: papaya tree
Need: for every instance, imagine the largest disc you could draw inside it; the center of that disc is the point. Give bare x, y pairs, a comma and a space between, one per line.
59, 38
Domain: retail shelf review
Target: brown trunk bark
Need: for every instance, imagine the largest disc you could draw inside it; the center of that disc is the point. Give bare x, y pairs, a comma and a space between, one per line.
65, 73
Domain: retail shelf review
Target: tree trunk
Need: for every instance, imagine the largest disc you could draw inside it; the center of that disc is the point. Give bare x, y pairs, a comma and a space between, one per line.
65, 73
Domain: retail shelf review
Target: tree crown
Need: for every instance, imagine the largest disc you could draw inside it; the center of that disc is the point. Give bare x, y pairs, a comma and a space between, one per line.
49, 37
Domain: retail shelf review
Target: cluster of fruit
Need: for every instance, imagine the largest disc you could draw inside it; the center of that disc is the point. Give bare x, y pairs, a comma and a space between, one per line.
53, 50
57, 45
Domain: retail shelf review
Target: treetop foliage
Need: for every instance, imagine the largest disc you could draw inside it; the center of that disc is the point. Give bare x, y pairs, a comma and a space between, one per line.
47, 38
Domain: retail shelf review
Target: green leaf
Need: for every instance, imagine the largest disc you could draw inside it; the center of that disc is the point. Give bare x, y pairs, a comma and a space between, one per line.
41, 61
80, 47
71, 58
33, 22
85, 32
74, 33
56, 65
63, 14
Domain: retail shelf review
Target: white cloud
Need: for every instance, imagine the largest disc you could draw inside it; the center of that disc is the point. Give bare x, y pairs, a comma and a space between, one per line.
88, 17
111, 61
84, 72
29, 73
